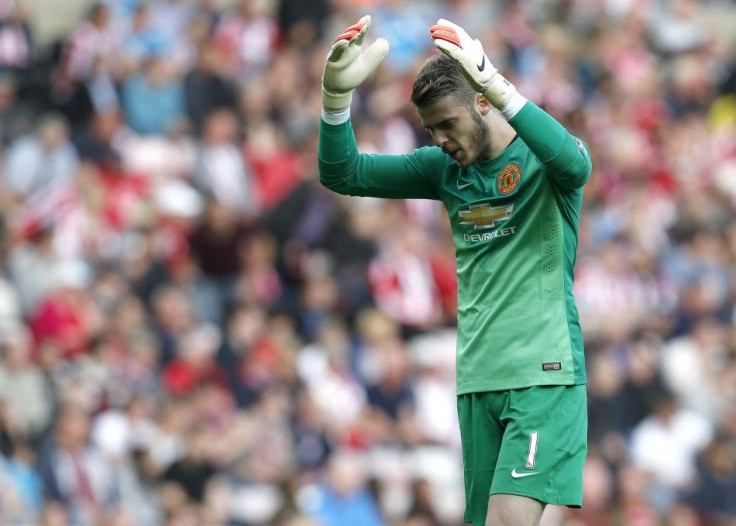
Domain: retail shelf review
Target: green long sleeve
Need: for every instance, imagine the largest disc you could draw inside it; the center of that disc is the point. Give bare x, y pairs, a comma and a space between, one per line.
566, 157
343, 169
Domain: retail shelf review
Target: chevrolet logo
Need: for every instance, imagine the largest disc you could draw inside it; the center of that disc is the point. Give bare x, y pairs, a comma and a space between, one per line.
485, 215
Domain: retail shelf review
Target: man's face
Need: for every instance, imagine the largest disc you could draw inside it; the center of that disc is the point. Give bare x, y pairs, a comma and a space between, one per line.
459, 130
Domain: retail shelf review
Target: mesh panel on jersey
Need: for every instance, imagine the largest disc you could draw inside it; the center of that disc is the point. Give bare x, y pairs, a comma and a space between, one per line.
551, 247
553, 223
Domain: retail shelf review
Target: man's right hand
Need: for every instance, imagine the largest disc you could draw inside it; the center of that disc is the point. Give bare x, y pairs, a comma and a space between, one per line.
347, 67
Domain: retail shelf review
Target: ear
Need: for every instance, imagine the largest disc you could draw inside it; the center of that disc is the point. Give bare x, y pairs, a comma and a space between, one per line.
482, 105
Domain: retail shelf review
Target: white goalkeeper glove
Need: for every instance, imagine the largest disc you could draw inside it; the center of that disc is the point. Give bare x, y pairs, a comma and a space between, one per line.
453, 41
346, 67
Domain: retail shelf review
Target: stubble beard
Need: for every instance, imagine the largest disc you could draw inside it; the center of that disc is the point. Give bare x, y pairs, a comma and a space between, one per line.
480, 141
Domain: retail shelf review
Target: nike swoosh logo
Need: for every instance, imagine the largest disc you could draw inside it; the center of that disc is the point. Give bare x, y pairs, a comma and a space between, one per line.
482, 64
461, 186
516, 475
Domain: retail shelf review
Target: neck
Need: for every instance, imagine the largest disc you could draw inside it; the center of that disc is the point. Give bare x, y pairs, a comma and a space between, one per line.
501, 134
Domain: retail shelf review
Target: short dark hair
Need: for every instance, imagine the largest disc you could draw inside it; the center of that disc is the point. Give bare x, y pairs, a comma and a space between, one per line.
441, 76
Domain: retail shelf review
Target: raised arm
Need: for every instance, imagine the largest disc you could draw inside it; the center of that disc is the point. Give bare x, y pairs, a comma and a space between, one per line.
342, 167
566, 157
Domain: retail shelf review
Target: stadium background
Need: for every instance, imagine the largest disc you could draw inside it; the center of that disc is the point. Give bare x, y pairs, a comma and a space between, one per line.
194, 332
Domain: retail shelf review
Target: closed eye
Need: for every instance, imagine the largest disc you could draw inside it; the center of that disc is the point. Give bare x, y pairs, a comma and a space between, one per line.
444, 125
447, 125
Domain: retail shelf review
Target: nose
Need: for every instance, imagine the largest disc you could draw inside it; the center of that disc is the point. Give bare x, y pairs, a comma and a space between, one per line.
440, 139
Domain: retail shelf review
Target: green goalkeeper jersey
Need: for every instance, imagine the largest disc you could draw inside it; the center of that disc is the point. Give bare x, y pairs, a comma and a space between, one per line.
515, 226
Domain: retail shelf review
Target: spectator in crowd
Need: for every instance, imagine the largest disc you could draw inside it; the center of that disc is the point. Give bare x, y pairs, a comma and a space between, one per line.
206, 87
216, 246
193, 331
24, 389
17, 50
142, 40
714, 494
153, 101
343, 498
248, 36
16, 114
90, 54
221, 169
22, 488
37, 162
665, 445
73, 471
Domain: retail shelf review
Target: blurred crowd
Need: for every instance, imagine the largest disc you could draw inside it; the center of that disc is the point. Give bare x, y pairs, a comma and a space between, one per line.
193, 331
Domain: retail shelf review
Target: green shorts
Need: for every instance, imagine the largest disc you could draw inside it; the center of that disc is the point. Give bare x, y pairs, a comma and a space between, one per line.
530, 442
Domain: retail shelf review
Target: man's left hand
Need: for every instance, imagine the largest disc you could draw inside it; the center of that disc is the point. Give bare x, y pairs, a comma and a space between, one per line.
454, 41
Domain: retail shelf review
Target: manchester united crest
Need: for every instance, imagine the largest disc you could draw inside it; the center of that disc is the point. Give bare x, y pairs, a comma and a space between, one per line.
509, 178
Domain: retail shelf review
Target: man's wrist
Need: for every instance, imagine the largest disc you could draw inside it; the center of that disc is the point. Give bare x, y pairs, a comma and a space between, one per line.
512, 106
503, 95
332, 116
336, 101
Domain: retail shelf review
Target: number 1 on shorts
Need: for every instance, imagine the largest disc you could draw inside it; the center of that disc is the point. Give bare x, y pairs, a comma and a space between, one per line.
533, 441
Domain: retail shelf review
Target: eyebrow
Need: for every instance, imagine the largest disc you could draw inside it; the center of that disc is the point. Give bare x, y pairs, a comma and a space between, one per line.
441, 123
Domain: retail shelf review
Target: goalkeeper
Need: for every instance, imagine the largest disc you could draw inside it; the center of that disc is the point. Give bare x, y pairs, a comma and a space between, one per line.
511, 178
